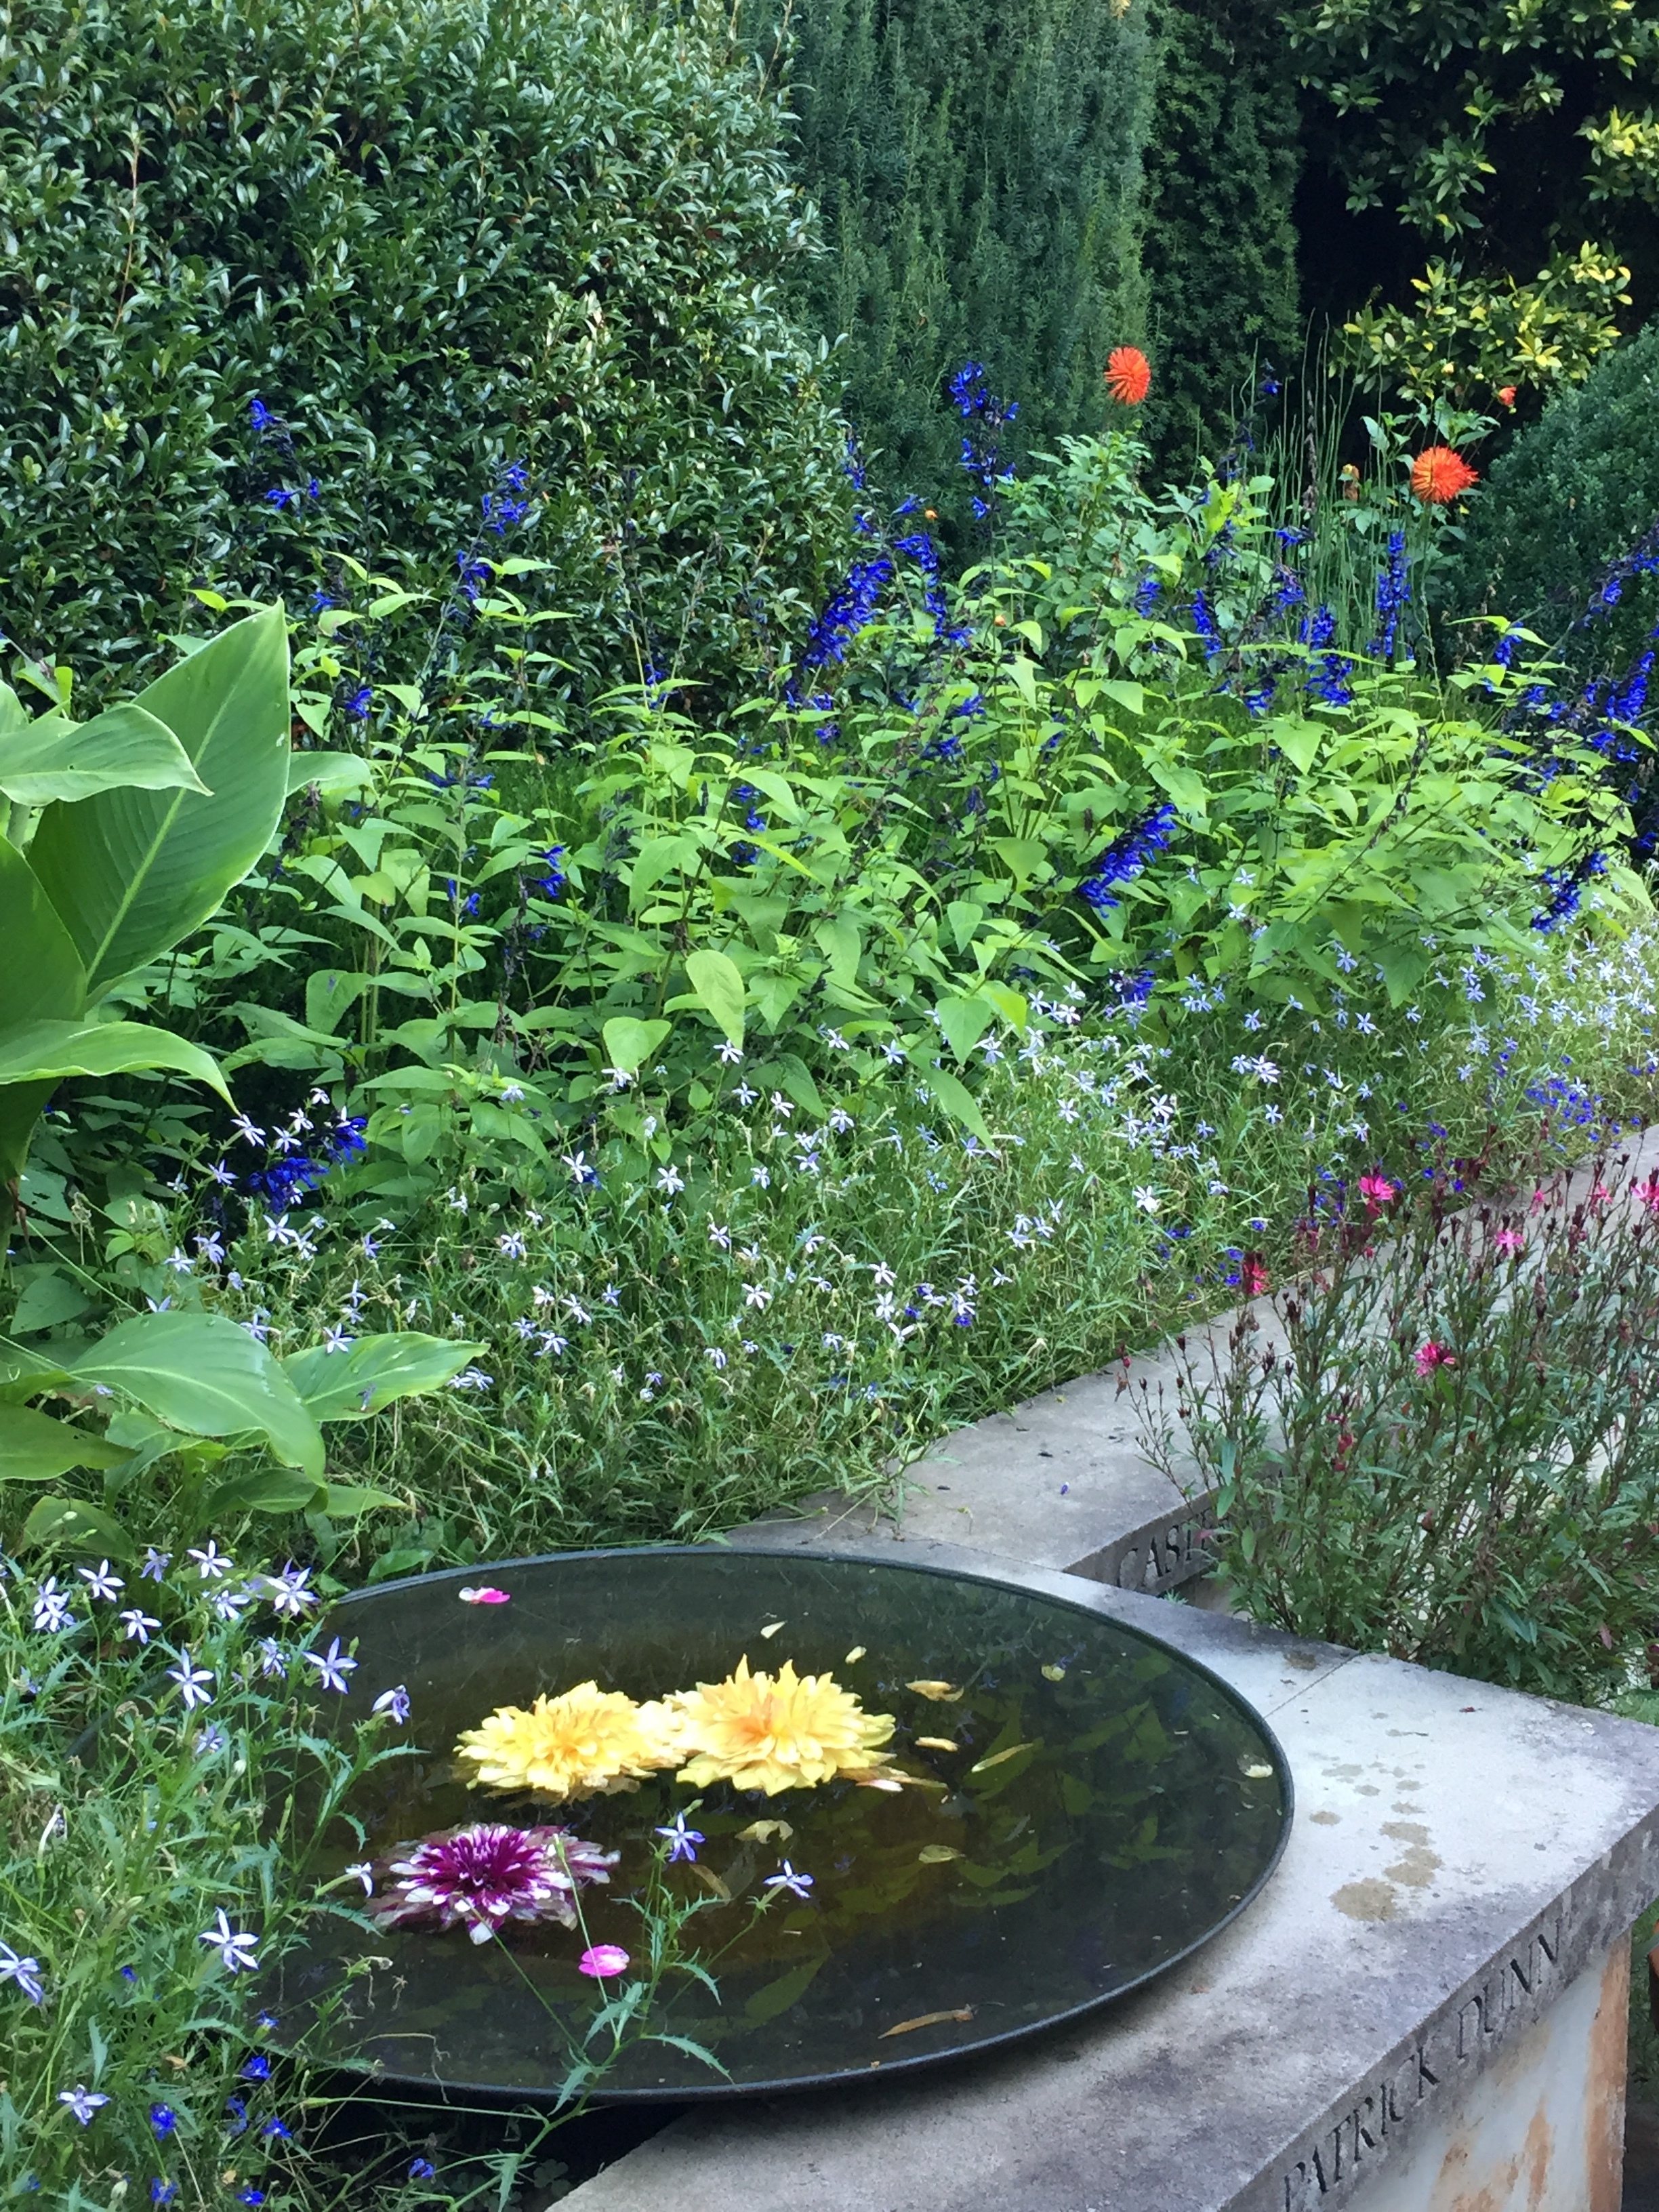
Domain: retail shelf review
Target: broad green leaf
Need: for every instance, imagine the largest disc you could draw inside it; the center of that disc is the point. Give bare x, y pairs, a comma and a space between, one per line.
48, 1051
330, 772
48, 1298
350, 1501
54, 759
793, 1075
82, 1528
350, 1385
36, 1448
964, 1022
132, 872
658, 857
201, 1373
959, 1102
330, 994
41, 980
1298, 740
261, 1490
629, 1043
1404, 967
718, 981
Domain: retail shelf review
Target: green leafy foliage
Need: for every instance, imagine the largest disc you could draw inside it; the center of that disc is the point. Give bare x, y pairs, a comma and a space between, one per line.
977, 168
1574, 495
129, 852
190, 1386
428, 241
1509, 136
1467, 338
1454, 1462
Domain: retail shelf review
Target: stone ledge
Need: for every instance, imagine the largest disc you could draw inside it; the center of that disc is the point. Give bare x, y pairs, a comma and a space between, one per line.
1461, 1857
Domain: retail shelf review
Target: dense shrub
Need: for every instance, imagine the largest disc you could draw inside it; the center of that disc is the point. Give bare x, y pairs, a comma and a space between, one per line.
1501, 147
1220, 249
278, 279
1574, 498
977, 168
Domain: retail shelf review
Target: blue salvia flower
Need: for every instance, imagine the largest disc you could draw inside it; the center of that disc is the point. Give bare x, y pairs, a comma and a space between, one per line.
1393, 592
1205, 624
553, 878
985, 416
1147, 593
851, 610
1127, 856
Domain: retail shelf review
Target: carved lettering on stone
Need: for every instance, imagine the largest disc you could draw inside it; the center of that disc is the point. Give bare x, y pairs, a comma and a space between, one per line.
1519, 1986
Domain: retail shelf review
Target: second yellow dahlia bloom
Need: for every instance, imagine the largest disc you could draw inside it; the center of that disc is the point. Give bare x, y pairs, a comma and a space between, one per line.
774, 1734
588, 1742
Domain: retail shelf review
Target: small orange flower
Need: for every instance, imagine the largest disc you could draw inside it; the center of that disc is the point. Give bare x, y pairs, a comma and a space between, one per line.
1440, 475
1128, 375
1506, 395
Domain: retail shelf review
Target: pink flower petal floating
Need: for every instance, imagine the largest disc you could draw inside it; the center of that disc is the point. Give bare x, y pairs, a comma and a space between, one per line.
481, 1876
483, 1594
603, 1959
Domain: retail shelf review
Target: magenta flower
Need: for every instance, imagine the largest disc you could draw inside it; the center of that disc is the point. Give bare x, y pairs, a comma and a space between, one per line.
1432, 1355
1378, 1192
603, 1959
1509, 1241
1647, 1194
485, 1595
480, 1877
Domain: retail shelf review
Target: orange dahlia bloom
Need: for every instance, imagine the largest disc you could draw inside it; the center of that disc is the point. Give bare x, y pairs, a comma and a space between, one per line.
1506, 395
1128, 375
1440, 475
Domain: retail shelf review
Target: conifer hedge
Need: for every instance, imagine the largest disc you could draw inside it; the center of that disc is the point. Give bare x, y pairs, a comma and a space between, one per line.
1219, 245
977, 168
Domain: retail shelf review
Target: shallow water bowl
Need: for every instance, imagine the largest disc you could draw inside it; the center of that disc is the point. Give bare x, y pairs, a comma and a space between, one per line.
1105, 1806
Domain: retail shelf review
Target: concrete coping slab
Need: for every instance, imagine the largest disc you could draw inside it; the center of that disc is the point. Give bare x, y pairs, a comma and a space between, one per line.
1462, 1860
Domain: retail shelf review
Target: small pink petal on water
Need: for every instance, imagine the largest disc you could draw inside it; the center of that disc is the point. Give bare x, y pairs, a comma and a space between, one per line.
483, 1594
603, 1959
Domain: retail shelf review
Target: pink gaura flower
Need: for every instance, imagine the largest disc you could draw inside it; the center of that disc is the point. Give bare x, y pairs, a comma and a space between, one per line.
1431, 1356
603, 1959
480, 1877
1509, 1241
1378, 1192
1253, 1276
1647, 1194
483, 1594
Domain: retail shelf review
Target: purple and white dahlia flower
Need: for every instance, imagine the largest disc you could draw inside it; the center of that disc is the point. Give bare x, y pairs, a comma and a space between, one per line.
481, 1876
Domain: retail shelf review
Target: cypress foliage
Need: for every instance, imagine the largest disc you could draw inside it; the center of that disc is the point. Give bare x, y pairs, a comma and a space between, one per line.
977, 166
1220, 247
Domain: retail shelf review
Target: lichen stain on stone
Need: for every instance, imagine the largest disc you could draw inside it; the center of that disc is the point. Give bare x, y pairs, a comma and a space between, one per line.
1370, 1899
1417, 1868
1325, 1819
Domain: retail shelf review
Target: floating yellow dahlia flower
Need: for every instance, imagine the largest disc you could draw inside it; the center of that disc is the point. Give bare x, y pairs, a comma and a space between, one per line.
589, 1742
772, 1735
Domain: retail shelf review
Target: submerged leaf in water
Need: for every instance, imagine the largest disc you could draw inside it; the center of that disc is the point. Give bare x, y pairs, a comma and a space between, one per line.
926, 2020
937, 1854
942, 1693
937, 1743
996, 1758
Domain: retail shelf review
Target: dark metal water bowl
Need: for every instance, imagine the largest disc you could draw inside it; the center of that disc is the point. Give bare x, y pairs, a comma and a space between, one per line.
1145, 1807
